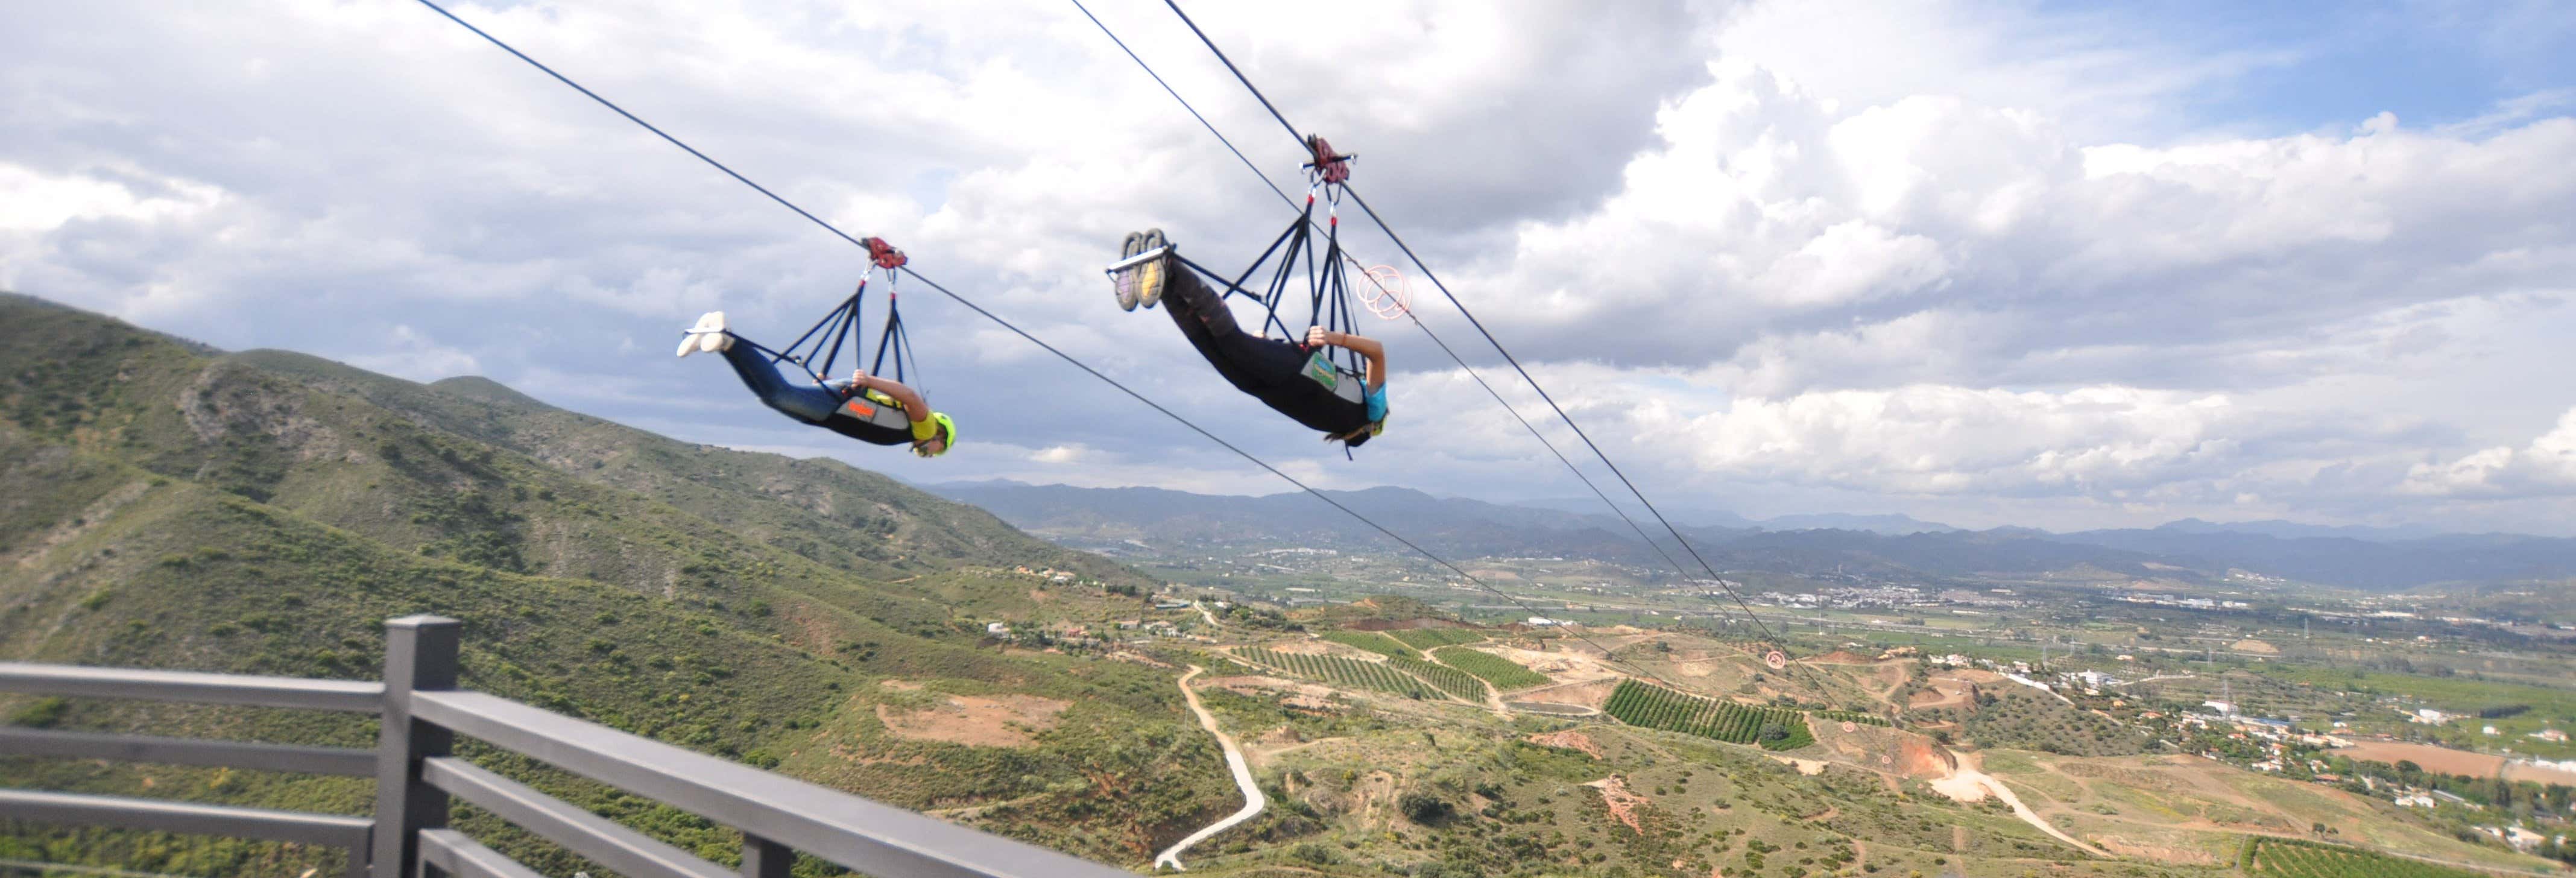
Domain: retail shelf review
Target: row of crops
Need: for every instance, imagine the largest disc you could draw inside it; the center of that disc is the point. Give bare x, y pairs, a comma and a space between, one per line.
2291, 858
1348, 672
1849, 716
1450, 680
1655, 707
1505, 674
1433, 638
1373, 642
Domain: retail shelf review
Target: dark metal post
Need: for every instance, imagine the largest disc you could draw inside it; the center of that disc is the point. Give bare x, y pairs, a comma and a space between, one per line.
420, 654
762, 858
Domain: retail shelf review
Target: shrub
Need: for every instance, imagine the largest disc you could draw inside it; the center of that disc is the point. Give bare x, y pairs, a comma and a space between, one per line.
1424, 808
41, 713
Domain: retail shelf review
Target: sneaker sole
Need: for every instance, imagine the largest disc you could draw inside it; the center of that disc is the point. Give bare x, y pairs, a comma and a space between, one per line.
1124, 284
1151, 291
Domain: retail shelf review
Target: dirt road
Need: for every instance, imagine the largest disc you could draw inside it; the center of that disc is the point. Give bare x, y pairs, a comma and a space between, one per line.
1253, 800
1969, 784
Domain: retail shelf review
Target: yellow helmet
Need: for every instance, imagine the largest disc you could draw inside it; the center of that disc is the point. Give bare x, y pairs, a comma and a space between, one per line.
947, 435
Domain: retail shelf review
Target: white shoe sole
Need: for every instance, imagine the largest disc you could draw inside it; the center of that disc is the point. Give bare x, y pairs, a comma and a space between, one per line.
707, 336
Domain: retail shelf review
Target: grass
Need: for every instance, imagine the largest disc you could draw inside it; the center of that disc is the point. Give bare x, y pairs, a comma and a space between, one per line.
1433, 638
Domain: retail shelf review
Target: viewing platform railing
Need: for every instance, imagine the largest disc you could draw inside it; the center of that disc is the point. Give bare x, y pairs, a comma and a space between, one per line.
417, 778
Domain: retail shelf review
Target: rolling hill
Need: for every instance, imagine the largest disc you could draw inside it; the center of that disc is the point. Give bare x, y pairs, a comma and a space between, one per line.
167, 505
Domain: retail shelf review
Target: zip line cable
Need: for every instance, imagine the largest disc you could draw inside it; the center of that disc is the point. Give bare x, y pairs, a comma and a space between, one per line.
1185, 104
1515, 362
1032, 339
1408, 312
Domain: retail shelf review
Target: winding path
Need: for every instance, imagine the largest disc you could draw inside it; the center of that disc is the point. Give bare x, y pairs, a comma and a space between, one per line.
1253, 800
1968, 777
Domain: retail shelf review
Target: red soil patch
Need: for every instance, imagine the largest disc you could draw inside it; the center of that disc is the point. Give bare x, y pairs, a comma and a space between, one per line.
1006, 721
1623, 804
1841, 657
1567, 740
1921, 758
1944, 694
2441, 759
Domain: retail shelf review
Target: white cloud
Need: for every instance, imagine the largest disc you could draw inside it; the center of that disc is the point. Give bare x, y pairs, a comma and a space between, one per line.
1933, 439
2545, 466
1979, 258
32, 201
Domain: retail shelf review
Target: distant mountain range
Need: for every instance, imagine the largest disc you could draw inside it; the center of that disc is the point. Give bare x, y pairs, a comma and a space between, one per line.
1700, 516
1885, 545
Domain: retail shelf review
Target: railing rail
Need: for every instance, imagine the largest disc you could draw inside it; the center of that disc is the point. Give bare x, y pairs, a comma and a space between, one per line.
350, 696
422, 712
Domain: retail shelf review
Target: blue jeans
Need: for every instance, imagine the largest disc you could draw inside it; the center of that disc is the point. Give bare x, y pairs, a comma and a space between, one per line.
794, 398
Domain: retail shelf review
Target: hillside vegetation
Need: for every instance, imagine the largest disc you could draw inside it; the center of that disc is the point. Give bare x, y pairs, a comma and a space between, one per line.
165, 505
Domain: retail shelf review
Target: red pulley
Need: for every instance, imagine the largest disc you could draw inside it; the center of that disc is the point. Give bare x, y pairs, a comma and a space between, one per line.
1333, 167
884, 255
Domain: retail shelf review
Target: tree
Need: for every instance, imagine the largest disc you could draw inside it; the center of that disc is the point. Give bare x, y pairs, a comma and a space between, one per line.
1423, 808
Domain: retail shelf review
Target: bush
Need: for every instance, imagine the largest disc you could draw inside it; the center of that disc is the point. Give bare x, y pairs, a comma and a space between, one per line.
1424, 808
41, 713
1314, 854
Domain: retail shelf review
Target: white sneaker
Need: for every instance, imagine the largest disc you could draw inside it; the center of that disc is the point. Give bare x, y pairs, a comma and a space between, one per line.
708, 336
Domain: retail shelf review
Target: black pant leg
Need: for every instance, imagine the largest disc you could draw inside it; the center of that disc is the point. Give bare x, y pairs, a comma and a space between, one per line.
1210, 326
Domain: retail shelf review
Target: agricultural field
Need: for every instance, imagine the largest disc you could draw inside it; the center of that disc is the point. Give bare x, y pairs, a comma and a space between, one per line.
1505, 674
1655, 707
2288, 858
1449, 679
1373, 642
2028, 720
1849, 716
1348, 672
1434, 638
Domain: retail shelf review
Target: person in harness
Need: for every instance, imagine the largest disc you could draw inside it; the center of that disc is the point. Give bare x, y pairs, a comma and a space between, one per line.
867, 408
1297, 380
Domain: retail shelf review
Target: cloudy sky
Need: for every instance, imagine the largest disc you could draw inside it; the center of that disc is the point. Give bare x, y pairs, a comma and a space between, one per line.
1983, 263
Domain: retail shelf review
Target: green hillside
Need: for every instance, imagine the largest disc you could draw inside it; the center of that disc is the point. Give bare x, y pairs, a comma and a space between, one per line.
164, 505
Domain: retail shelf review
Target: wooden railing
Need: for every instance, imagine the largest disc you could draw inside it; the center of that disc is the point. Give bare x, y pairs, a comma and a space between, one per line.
417, 778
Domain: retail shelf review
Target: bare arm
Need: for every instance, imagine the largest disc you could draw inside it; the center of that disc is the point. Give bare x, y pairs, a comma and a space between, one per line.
914, 407
1368, 348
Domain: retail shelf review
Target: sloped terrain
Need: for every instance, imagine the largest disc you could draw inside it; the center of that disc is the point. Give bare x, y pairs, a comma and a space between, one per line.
164, 505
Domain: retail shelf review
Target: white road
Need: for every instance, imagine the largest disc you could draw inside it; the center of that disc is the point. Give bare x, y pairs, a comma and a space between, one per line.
1253, 800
